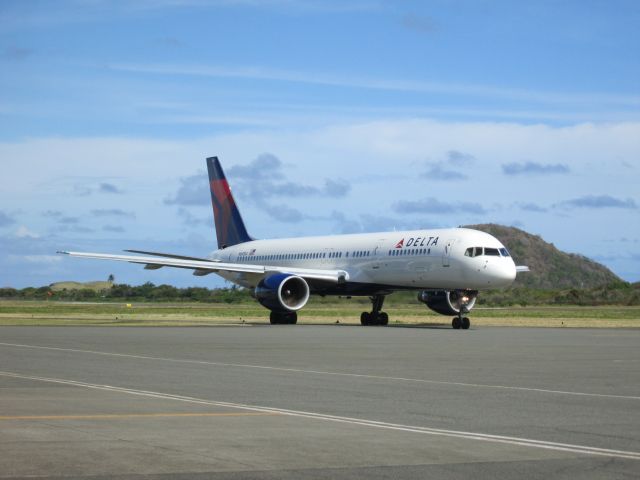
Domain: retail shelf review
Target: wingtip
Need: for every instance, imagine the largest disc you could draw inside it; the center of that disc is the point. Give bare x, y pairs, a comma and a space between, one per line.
62, 252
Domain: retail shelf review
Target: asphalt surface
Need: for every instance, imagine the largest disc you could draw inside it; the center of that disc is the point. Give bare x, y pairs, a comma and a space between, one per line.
302, 402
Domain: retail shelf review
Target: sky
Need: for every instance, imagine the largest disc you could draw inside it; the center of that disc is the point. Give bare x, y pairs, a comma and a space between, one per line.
328, 116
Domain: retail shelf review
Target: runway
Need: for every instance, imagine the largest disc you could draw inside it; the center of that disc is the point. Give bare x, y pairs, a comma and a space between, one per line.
319, 402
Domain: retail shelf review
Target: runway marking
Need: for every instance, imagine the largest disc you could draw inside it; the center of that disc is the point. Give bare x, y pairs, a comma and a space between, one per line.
337, 374
524, 442
132, 415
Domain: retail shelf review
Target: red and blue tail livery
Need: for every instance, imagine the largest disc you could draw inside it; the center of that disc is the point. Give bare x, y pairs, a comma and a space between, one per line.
230, 228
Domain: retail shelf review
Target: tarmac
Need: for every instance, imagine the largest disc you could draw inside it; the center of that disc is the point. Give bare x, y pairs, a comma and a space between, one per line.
319, 402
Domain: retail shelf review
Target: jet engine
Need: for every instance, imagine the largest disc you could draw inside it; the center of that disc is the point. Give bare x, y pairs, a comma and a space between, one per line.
282, 292
449, 302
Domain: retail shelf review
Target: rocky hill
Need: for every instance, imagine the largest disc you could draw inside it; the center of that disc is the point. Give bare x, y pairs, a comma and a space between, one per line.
550, 268
95, 286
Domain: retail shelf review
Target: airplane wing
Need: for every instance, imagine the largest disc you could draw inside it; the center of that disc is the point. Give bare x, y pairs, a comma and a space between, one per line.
522, 268
205, 267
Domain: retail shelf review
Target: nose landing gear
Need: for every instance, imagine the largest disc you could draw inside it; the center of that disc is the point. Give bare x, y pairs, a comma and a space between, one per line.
375, 317
460, 321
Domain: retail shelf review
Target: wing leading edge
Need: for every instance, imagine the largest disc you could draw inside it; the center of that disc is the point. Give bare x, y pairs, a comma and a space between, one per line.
204, 267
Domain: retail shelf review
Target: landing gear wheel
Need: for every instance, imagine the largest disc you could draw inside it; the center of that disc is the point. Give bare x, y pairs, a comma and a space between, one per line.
456, 323
466, 323
283, 318
275, 318
375, 317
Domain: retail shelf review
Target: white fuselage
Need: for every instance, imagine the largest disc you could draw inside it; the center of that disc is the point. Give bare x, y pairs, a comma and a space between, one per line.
448, 259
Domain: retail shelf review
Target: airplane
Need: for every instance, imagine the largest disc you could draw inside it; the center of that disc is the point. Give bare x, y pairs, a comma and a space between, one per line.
448, 267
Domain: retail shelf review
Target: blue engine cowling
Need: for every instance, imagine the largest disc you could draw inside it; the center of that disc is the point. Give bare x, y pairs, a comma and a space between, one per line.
445, 302
282, 292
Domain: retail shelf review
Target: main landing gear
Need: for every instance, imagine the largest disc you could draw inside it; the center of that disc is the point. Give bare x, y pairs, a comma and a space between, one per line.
283, 318
375, 317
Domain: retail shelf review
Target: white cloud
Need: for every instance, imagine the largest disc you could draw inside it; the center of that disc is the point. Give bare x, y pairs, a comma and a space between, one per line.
24, 232
37, 259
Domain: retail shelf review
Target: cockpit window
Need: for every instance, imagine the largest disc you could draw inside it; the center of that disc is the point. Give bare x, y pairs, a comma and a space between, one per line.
504, 252
473, 252
492, 251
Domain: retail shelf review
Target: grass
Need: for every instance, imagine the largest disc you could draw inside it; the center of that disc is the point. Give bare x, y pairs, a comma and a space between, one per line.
317, 311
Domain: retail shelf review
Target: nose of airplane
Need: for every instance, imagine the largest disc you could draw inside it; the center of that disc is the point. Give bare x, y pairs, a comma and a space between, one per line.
503, 273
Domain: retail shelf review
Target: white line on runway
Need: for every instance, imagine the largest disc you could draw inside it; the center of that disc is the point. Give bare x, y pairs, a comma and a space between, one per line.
524, 442
321, 372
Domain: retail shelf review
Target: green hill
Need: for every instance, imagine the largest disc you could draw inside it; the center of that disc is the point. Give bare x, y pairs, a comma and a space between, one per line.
550, 268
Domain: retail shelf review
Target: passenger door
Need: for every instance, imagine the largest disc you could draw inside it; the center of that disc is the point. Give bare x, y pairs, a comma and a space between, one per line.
446, 254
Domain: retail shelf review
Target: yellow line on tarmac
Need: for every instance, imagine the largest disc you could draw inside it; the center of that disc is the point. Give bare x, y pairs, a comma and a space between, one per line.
133, 415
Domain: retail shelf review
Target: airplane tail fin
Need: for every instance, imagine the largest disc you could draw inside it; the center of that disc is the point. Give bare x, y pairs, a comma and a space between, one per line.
230, 228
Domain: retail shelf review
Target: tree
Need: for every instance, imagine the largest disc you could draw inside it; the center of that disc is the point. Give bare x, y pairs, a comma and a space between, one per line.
111, 278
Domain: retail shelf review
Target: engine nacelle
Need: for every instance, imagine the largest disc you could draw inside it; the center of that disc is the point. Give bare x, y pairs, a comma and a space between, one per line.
446, 302
282, 292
